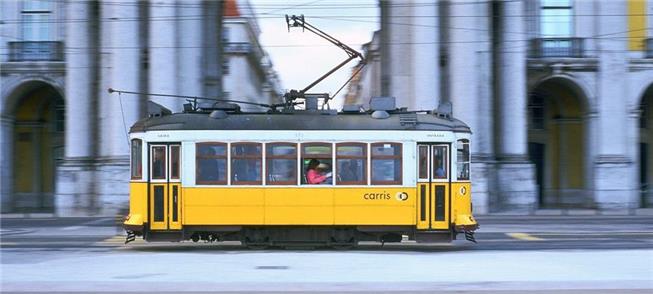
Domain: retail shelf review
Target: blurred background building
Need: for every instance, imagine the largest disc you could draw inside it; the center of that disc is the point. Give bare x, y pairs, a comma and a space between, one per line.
63, 137
558, 93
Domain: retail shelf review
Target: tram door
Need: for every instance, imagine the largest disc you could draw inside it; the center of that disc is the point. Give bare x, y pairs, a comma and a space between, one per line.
433, 186
165, 187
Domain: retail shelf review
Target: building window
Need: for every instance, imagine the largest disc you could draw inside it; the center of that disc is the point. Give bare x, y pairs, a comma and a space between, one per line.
317, 159
36, 20
351, 163
536, 111
463, 159
556, 18
246, 164
137, 159
386, 164
281, 163
211, 161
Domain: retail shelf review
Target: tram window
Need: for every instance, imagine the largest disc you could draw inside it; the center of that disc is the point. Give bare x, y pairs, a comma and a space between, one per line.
174, 162
386, 164
137, 159
317, 160
159, 162
440, 170
281, 163
463, 159
211, 161
423, 162
351, 162
246, 164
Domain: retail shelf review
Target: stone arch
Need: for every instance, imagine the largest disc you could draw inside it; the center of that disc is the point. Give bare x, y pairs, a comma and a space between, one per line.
646, 146
33, 126
558, 140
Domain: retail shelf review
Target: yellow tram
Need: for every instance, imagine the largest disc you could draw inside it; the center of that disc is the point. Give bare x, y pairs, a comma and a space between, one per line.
219, 174
309, 176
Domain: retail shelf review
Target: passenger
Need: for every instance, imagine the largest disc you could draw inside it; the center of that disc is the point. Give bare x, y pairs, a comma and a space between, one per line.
348, 171
439, 171
313, 176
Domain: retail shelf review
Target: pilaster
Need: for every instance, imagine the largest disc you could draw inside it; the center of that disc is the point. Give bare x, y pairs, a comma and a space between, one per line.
6, 165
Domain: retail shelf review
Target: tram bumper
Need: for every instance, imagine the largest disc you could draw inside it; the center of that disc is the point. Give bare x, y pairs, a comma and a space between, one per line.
133, 223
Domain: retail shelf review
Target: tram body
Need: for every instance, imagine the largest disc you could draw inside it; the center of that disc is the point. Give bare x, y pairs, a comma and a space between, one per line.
242, 177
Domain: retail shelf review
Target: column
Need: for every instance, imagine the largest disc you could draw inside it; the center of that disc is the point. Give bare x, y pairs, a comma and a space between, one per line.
469, 71
613, 165
426, 54
123, 41
399, 50
163, 53
78, 81
75, 177
515, 174
124, 75
190, 23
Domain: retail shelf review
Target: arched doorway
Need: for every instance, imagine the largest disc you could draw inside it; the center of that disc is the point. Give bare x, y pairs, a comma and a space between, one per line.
646, 148
556, 143
38, 145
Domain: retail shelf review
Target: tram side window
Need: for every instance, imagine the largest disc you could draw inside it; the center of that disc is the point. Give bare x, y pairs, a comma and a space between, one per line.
246, 164
137, 159
281, 163
317, 164
351, 163
211, 162
386, 164
463, 159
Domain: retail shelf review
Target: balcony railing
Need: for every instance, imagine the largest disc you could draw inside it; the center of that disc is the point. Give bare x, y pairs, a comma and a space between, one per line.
648, 43
36, 51
238, 48
557, 47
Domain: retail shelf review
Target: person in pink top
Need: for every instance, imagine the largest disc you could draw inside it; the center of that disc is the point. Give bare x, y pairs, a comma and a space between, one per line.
313, 176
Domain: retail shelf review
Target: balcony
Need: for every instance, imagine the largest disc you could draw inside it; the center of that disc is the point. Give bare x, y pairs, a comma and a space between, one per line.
36, 51
556, 48
648, 45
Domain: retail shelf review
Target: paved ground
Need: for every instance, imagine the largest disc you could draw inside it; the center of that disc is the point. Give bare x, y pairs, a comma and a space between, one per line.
540, 254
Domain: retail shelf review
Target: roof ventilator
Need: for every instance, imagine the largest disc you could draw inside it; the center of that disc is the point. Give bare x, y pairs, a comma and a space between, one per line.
445, 110
218, 114
155, 109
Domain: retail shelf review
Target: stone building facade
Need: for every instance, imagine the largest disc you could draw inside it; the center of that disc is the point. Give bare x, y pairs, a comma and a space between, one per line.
558, 93
63, 137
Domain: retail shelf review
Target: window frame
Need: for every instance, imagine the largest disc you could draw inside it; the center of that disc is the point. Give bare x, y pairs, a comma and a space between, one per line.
233, 157
171, 165
269, 158
363, 181
445, 164
468, 160
165, 163
381, 157
139, 158
303, 155
198, 157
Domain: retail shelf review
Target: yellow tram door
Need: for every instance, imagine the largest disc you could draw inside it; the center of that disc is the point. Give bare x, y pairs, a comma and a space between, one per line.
165, 187
433, 162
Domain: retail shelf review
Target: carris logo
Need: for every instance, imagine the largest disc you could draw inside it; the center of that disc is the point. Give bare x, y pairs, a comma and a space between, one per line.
402, 196
377, 196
